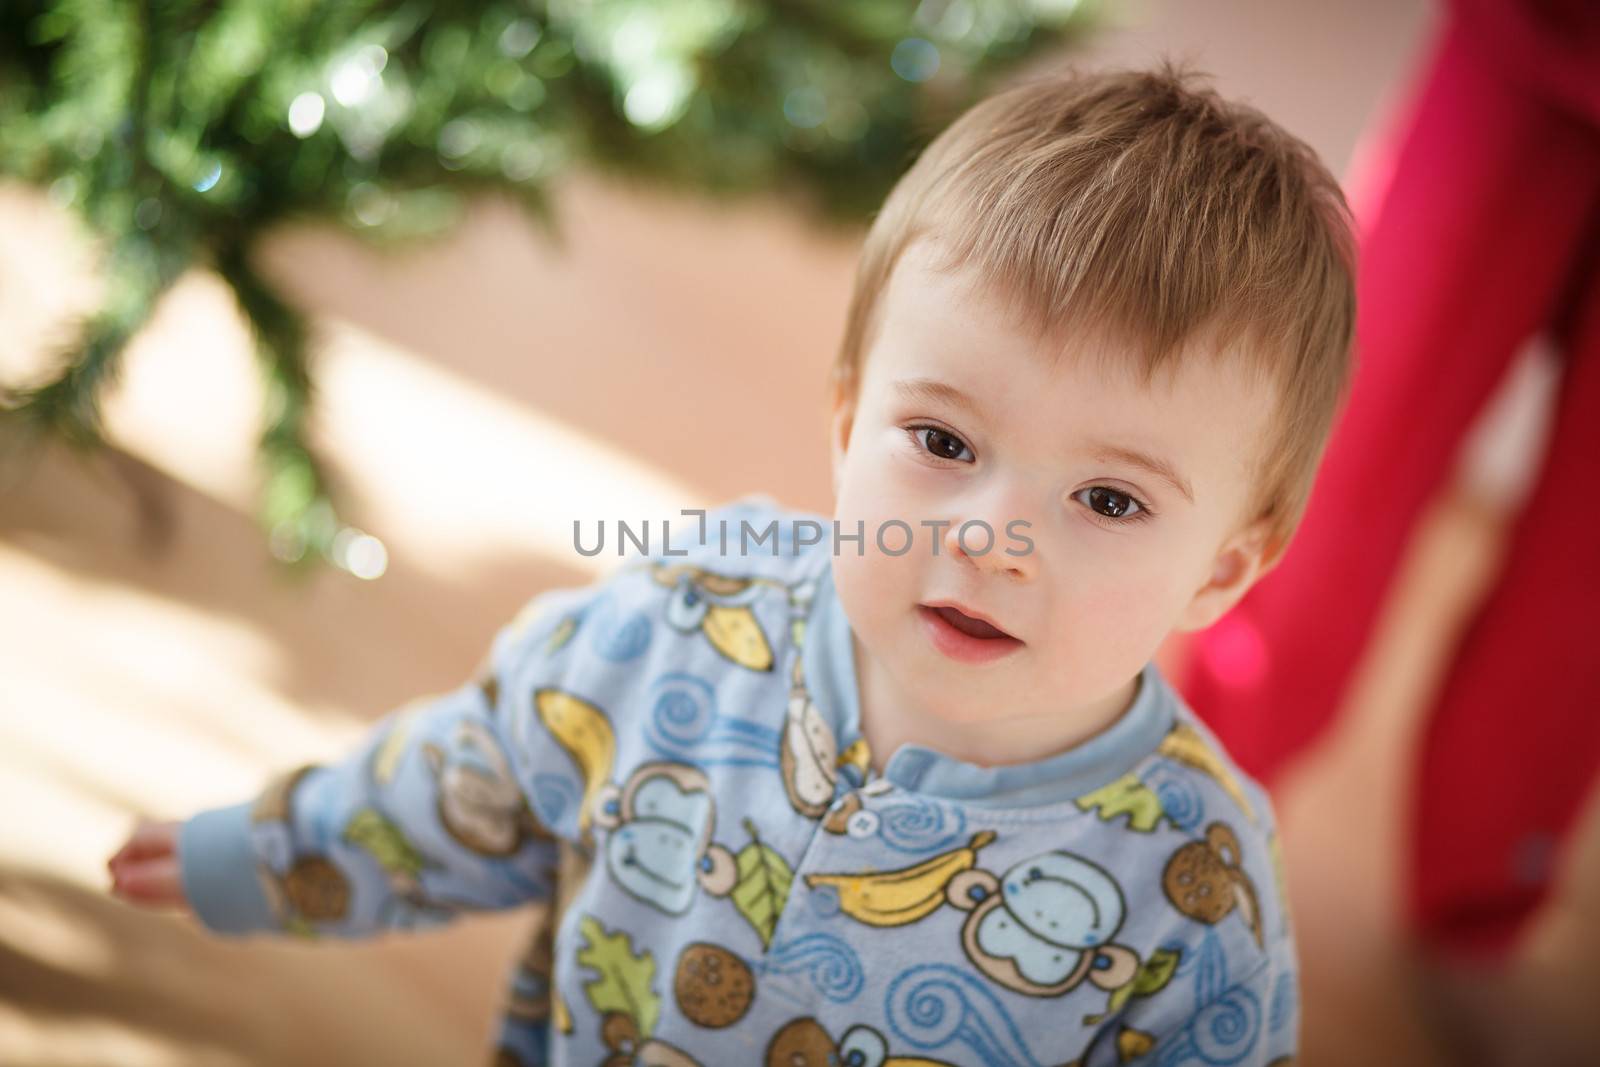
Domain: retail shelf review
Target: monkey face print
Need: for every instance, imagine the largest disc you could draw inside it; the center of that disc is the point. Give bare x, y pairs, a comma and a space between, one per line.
1042, 929
479, 802
659, 848
1044, 926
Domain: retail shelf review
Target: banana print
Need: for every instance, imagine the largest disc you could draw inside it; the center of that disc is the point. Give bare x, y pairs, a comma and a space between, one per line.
1042, 928
585, 732
894, 898
718, 605
735, 633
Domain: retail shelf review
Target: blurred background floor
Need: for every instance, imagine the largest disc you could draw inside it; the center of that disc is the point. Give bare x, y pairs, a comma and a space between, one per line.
476, 398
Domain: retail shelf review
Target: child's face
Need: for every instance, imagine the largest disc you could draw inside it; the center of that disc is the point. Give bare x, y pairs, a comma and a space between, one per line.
1092, 600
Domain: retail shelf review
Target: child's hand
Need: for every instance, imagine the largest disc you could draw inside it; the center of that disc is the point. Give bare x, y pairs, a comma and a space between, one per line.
144, 871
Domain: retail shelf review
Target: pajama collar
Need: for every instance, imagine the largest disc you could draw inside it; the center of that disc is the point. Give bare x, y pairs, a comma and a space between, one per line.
829, 665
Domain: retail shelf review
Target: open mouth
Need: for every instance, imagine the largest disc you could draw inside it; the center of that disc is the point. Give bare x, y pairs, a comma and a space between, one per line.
964, 638
970, 626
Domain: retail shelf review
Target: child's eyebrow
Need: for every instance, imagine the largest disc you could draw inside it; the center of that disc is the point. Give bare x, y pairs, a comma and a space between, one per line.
1110, 453
931, 390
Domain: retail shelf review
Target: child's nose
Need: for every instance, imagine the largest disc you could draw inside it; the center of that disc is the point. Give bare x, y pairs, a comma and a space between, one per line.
1002, 546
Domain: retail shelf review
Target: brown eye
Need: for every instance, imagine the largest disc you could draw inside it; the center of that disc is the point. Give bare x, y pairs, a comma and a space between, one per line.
939, 443
1111, 504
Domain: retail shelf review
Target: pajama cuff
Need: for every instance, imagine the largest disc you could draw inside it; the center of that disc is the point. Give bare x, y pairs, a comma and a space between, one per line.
217, 864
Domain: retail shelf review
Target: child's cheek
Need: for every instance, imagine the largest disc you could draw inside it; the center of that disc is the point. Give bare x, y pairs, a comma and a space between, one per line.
1118, 617
874, 578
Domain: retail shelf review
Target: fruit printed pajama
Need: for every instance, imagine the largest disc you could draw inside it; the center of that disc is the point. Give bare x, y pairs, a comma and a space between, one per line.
671, 759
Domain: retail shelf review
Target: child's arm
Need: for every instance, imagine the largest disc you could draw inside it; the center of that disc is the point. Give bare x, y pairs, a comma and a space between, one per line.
428, 816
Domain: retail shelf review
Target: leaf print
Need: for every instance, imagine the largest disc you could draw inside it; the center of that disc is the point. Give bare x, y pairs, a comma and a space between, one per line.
1153, 976
1126, 796
763, 884
371, 831
625, 978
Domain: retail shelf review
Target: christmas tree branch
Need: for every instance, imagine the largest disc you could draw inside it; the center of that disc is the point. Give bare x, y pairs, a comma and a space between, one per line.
296, 503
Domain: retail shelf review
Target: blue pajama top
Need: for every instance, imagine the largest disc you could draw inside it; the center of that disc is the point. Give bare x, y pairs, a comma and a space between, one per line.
671, 759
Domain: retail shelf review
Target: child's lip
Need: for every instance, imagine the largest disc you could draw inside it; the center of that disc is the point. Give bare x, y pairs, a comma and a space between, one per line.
974, 613
962, 647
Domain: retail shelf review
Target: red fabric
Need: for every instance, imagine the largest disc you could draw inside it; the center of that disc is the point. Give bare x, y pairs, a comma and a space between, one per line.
1469, 248
1514, 741
1552, 47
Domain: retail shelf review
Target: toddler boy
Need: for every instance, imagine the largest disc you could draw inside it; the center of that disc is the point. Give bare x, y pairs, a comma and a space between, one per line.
903, 784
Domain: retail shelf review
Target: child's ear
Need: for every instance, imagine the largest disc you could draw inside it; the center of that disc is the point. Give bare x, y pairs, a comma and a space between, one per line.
1241, 562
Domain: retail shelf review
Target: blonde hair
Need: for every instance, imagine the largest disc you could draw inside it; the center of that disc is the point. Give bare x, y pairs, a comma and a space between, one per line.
1146, 206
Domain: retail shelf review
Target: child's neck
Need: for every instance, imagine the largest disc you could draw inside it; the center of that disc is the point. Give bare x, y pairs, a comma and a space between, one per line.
888, 720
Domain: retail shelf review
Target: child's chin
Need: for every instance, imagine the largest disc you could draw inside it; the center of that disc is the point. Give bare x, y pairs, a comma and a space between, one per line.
972, 712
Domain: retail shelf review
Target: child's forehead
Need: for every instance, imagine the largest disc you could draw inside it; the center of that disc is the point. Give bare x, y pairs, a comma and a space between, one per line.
945, 327
933, 298
946, 323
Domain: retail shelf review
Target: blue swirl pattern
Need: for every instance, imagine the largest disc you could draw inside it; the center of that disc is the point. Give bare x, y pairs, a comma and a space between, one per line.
916, 825
554, 795
934, 1004
1227, 1022
685, 725
1180, 798
827, 961
1284, 1002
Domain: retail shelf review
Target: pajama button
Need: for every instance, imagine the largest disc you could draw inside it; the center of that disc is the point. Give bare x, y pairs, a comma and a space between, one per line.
862, 824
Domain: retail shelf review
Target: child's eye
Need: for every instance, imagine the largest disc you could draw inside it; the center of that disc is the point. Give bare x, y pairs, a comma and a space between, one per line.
1112, 507
941, 444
